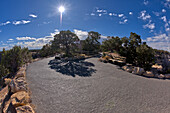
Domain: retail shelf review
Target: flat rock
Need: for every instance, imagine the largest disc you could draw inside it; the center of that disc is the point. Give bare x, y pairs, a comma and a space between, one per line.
167, 76
138, 70
3, 95
148, 74
9, 108
161, 76
18, 84
25, 109
21, 72
20, 98
7, 81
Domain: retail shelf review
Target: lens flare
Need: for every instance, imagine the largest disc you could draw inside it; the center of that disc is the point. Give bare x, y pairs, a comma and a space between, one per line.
61, 10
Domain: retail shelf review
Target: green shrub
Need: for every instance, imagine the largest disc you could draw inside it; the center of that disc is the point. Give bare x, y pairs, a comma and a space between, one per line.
14, 58
145, 56
3, 71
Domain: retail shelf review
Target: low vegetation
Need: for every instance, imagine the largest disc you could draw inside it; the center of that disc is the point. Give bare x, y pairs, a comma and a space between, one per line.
12, 59
136, 52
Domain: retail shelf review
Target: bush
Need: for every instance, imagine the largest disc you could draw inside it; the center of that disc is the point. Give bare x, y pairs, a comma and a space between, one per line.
46, 51
15, 58
145, 56
3, 71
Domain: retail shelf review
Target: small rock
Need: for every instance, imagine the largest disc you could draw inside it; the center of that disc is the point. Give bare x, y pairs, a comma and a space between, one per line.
3, 95
9, 108
20, 98
167, 76
124, 68
138, 70
7, 81
25, 109
20, 73
148, 74
161, 76
18, 84
129, 69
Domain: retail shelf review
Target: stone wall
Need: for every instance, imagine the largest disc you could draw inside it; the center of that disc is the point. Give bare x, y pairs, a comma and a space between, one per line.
15, 97
118, 60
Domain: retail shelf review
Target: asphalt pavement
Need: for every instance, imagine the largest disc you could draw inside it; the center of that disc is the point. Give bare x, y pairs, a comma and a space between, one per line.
90, 86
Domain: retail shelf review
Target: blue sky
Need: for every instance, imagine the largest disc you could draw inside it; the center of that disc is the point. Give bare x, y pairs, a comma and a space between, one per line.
33, 23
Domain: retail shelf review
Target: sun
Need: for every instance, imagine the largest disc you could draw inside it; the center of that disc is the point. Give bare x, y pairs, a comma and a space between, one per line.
61, 9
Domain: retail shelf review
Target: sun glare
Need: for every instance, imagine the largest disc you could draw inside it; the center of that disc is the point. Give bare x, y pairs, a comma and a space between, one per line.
61, 9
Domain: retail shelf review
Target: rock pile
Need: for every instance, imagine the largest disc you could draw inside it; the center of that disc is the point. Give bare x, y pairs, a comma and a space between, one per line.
121, 61
15, 97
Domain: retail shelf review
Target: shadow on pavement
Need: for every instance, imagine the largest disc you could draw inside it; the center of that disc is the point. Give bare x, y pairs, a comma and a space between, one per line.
73, 68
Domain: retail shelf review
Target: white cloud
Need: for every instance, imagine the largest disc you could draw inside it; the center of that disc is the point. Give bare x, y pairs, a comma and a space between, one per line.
164, 18
81, 34
56, 31
145, 2
161, 41
123, 22
167, 27
160, 45
3, 24
100, 14
114, 14
110, 14
101, 11
159, 38
46, 22
10, 39
130, 13
25, 38
149, 25
92, 14
163, 10
156, 13
21, 22
33, 16
144, 16
120, 15
33, 43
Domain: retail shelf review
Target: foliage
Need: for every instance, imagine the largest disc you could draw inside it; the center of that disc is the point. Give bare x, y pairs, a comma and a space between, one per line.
91, 44
166, 64
162, 57
46, 51
113, 44
145, 56
134, 42
3, 71
26, 55
15, 58
12, 59
66, 42
132, 48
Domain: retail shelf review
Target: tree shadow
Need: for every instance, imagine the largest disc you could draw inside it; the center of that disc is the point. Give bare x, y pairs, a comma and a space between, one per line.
72, 68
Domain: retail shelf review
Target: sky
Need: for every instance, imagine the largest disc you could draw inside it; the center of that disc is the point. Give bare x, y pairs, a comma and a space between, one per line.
33, 23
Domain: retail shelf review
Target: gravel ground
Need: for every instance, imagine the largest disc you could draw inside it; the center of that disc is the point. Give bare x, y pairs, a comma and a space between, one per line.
93, 87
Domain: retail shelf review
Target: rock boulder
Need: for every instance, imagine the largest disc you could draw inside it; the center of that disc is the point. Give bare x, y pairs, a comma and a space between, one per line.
148, 74
20, 98
25, 109
18, 84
